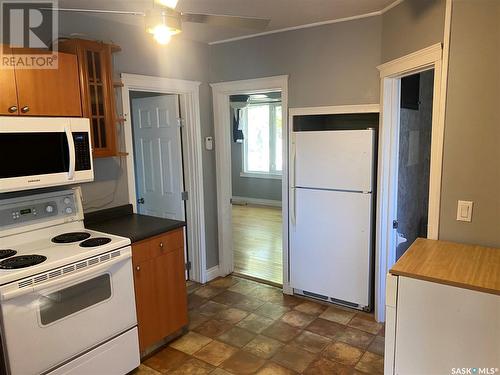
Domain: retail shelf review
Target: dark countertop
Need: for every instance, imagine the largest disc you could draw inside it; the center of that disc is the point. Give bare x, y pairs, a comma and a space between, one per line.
121, 221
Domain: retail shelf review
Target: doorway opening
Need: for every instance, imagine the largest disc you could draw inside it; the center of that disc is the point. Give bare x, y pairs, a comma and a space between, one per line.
224, 134
413, 159
410, 158
158, 157
256, 173
188, 107
158, 160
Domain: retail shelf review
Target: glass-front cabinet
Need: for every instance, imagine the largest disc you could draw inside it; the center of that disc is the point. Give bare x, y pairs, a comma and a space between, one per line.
96, 84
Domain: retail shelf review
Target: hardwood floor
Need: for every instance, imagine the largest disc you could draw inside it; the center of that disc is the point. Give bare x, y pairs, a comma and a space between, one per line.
257, 242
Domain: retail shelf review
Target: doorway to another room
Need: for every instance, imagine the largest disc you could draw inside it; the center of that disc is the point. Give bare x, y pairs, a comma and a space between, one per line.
181, 106
413, 159
158, 162
256, 176
410, 158
158, 159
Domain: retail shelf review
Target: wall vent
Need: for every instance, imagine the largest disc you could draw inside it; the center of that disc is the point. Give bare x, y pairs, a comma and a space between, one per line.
67, 269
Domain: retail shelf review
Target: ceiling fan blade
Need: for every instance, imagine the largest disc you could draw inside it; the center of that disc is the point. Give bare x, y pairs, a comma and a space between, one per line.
228, 21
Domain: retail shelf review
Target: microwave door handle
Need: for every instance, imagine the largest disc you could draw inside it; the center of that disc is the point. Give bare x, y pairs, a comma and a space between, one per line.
71, 148
63, 281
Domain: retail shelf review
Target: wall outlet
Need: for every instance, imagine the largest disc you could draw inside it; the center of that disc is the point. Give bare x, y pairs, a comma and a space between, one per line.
464, 211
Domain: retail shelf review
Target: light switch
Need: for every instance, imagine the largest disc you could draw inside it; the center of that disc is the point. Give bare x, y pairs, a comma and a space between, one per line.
464, 211
209, 143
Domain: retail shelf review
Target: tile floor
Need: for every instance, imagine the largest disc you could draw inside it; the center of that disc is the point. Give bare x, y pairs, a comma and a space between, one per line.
242, 327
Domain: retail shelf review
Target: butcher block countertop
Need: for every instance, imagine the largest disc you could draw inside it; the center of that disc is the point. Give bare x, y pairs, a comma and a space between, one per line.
463, 266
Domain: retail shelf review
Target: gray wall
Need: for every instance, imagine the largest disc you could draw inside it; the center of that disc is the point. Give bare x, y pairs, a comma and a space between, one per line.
249, 187
328, 65
411, 26
471, 167
141, 55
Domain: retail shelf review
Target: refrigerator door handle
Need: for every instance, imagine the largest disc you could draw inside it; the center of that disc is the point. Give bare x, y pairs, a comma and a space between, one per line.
293, 187
292, 206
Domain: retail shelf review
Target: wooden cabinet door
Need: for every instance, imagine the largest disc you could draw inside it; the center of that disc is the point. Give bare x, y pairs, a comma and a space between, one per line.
171, 283
99, 99
160, 287
8, 92
50, 92
96, 82
146, 302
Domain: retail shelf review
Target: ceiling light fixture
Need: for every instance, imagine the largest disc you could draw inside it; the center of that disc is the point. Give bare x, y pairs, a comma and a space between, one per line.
163, 24
168, 3
162, 35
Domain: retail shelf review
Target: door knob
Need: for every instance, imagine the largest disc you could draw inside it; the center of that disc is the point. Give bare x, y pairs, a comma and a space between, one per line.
161, 245
13, 109
138, 268
25, 109
140, 200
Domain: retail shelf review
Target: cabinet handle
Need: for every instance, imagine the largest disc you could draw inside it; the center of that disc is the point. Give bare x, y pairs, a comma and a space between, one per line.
13, 109
138, 268
25, 109
161, 245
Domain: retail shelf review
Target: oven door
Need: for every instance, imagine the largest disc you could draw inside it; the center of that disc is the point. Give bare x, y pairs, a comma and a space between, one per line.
56, 321
44, 152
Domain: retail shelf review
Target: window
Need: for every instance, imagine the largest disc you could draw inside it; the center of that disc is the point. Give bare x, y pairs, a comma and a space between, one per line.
262, 145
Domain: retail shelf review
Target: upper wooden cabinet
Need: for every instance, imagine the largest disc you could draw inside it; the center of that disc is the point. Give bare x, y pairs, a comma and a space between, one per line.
42, 92
96, 84
8, 92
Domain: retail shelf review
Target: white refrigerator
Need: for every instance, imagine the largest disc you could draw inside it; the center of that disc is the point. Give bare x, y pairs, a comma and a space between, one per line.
331, 184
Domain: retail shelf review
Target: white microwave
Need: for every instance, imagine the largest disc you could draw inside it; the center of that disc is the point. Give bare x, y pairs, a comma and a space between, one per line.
38, 152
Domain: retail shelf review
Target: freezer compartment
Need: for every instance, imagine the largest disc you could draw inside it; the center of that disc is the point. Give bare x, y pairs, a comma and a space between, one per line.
330, 252
335, 160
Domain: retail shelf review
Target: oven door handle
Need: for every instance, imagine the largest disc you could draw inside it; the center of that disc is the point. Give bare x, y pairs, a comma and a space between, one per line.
72, 153
65, 280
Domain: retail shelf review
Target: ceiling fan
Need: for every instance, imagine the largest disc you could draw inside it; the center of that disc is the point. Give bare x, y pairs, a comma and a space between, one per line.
163, 21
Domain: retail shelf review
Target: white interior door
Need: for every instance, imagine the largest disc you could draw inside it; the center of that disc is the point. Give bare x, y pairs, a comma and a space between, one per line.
330, 244
158, 156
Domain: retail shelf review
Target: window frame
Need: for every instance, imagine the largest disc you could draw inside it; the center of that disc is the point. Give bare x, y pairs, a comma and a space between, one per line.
273, 173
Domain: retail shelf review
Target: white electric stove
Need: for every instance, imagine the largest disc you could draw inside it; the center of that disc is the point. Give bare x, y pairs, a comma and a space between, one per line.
66, 293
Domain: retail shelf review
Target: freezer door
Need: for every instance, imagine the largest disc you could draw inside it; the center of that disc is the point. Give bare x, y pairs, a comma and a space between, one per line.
330, 249
340, 160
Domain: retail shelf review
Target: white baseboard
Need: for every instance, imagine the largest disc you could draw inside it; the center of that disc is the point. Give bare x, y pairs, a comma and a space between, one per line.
287, 289
212, 273
256, 201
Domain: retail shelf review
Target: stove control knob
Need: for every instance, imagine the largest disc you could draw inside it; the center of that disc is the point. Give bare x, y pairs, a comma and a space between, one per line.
69, 210
49, 209
67, 200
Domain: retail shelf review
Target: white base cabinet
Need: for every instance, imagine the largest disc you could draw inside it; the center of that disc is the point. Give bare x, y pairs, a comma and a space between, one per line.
438, 329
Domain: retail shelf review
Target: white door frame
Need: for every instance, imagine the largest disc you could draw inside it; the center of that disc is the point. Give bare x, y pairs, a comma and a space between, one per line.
390, 74
188, 92
222, 124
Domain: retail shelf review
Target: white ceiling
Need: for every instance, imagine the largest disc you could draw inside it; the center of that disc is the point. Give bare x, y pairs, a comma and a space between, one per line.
283, 13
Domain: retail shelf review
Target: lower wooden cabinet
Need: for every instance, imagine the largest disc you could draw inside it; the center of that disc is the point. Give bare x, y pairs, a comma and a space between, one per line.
160, 287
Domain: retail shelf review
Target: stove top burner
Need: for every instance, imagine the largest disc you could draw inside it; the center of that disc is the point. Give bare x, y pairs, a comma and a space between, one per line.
21, 261
71, 237
96, 241
5, 253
